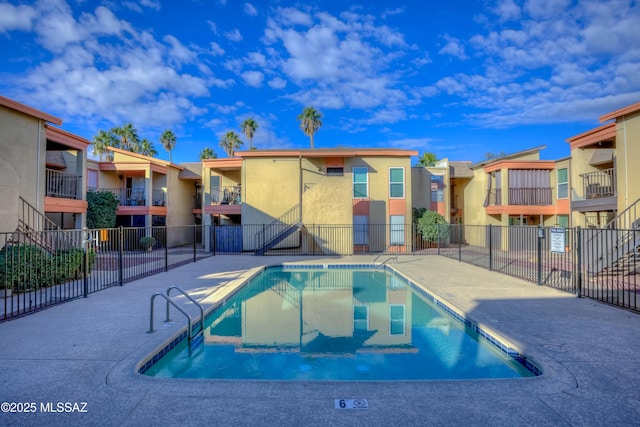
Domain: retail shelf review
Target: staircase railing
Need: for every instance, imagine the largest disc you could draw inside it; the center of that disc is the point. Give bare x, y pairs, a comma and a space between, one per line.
623, 234
40, 230
278, 227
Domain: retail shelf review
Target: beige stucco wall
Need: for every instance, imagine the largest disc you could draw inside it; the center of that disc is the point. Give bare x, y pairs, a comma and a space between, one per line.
9, 194
628, 154
23, 145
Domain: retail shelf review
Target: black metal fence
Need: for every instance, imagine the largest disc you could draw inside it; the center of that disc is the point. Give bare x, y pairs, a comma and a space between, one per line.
38, 269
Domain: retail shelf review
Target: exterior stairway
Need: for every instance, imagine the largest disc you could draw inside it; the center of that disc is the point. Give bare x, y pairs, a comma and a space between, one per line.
278, 230
36, 229
620, 243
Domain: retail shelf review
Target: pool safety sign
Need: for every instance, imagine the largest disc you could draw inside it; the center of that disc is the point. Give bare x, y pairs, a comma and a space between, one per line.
557, 240
351, 404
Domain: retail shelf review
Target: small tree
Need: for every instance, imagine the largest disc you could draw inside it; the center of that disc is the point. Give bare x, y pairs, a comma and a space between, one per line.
433, 227
101, 210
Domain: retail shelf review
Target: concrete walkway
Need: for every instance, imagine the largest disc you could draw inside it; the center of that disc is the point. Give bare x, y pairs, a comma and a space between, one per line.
87, 350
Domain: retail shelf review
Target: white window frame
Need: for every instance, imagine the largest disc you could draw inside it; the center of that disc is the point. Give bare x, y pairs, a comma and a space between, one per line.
558, 183
404, 181
400, 231
394, 321
366, 182
358, 321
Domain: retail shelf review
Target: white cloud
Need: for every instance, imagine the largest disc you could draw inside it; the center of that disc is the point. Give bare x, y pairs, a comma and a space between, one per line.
277, 83
507, 10
253, 78
215, 49
453, 47
546, 9
233, 35
213, 27
250, 9
151, 4
16, 17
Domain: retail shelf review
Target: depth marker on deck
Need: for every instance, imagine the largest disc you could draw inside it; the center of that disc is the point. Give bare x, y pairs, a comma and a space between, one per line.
351, 404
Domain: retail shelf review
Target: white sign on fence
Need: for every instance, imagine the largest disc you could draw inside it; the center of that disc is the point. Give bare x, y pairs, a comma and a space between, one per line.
557, 240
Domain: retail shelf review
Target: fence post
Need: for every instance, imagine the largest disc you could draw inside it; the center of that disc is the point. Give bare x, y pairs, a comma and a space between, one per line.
195, 235
120, 255
490, 248
439, 242
578, 238
85, 275
540, 236
459, 242
215, 239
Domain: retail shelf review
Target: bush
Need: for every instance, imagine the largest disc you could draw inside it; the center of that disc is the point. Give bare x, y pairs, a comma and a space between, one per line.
101, 210
27, 267
147, 242
433, 227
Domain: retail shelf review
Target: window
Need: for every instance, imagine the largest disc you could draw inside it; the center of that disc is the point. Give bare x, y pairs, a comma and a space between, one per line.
396, 230
437, 188
360, 183
92, 179
360, 318
563, 184
360, 230
335, 171
396, 182
396, 319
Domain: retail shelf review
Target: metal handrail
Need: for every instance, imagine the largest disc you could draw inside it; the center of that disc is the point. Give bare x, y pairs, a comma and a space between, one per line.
170, 301
190, 299
289, 219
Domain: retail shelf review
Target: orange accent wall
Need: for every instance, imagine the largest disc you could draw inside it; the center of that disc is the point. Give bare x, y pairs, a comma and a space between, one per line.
564, 206
361, 206
55, 204
334, 162
521, 209
397, 206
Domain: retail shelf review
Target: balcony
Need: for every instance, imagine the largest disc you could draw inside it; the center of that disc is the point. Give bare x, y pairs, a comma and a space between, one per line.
228, 195
599, 192
136, 196
225, 200
63, 185
522, 200
530, 196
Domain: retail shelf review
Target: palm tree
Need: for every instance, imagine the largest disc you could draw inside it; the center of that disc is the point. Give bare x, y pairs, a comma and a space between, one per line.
310, 122
208, 153
100, 143
249, 127
427, 159
128, 136
146, 148
231, 142
168, 140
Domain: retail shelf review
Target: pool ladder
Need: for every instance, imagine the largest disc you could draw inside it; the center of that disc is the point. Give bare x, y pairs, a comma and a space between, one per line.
191, 336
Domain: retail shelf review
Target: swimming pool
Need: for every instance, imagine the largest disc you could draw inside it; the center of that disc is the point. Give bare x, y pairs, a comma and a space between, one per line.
338, 322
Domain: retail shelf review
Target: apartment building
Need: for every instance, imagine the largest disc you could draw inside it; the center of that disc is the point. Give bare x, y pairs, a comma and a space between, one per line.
151, 192
42, 171
604, 176
291, 191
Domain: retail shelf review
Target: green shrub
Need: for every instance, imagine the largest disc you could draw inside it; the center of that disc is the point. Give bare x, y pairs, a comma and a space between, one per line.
101, 210
27, 267
433, 227
147, 242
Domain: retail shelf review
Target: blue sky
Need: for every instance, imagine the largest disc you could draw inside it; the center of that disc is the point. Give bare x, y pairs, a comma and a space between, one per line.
458, 78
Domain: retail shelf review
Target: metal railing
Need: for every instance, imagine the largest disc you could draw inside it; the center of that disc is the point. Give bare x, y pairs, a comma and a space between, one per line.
271, 234
36, 278
530, 196
227, 195
62, 184
137, 196
599, 184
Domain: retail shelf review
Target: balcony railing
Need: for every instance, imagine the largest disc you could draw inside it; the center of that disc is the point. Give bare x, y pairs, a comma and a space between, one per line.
136, 196
539, 196
599, 184
228, 195
62, 184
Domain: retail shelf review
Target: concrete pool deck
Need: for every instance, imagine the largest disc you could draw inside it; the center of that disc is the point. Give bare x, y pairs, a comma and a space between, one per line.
87, 350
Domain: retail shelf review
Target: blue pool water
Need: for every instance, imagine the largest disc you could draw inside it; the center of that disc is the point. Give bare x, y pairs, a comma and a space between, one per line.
336, 324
